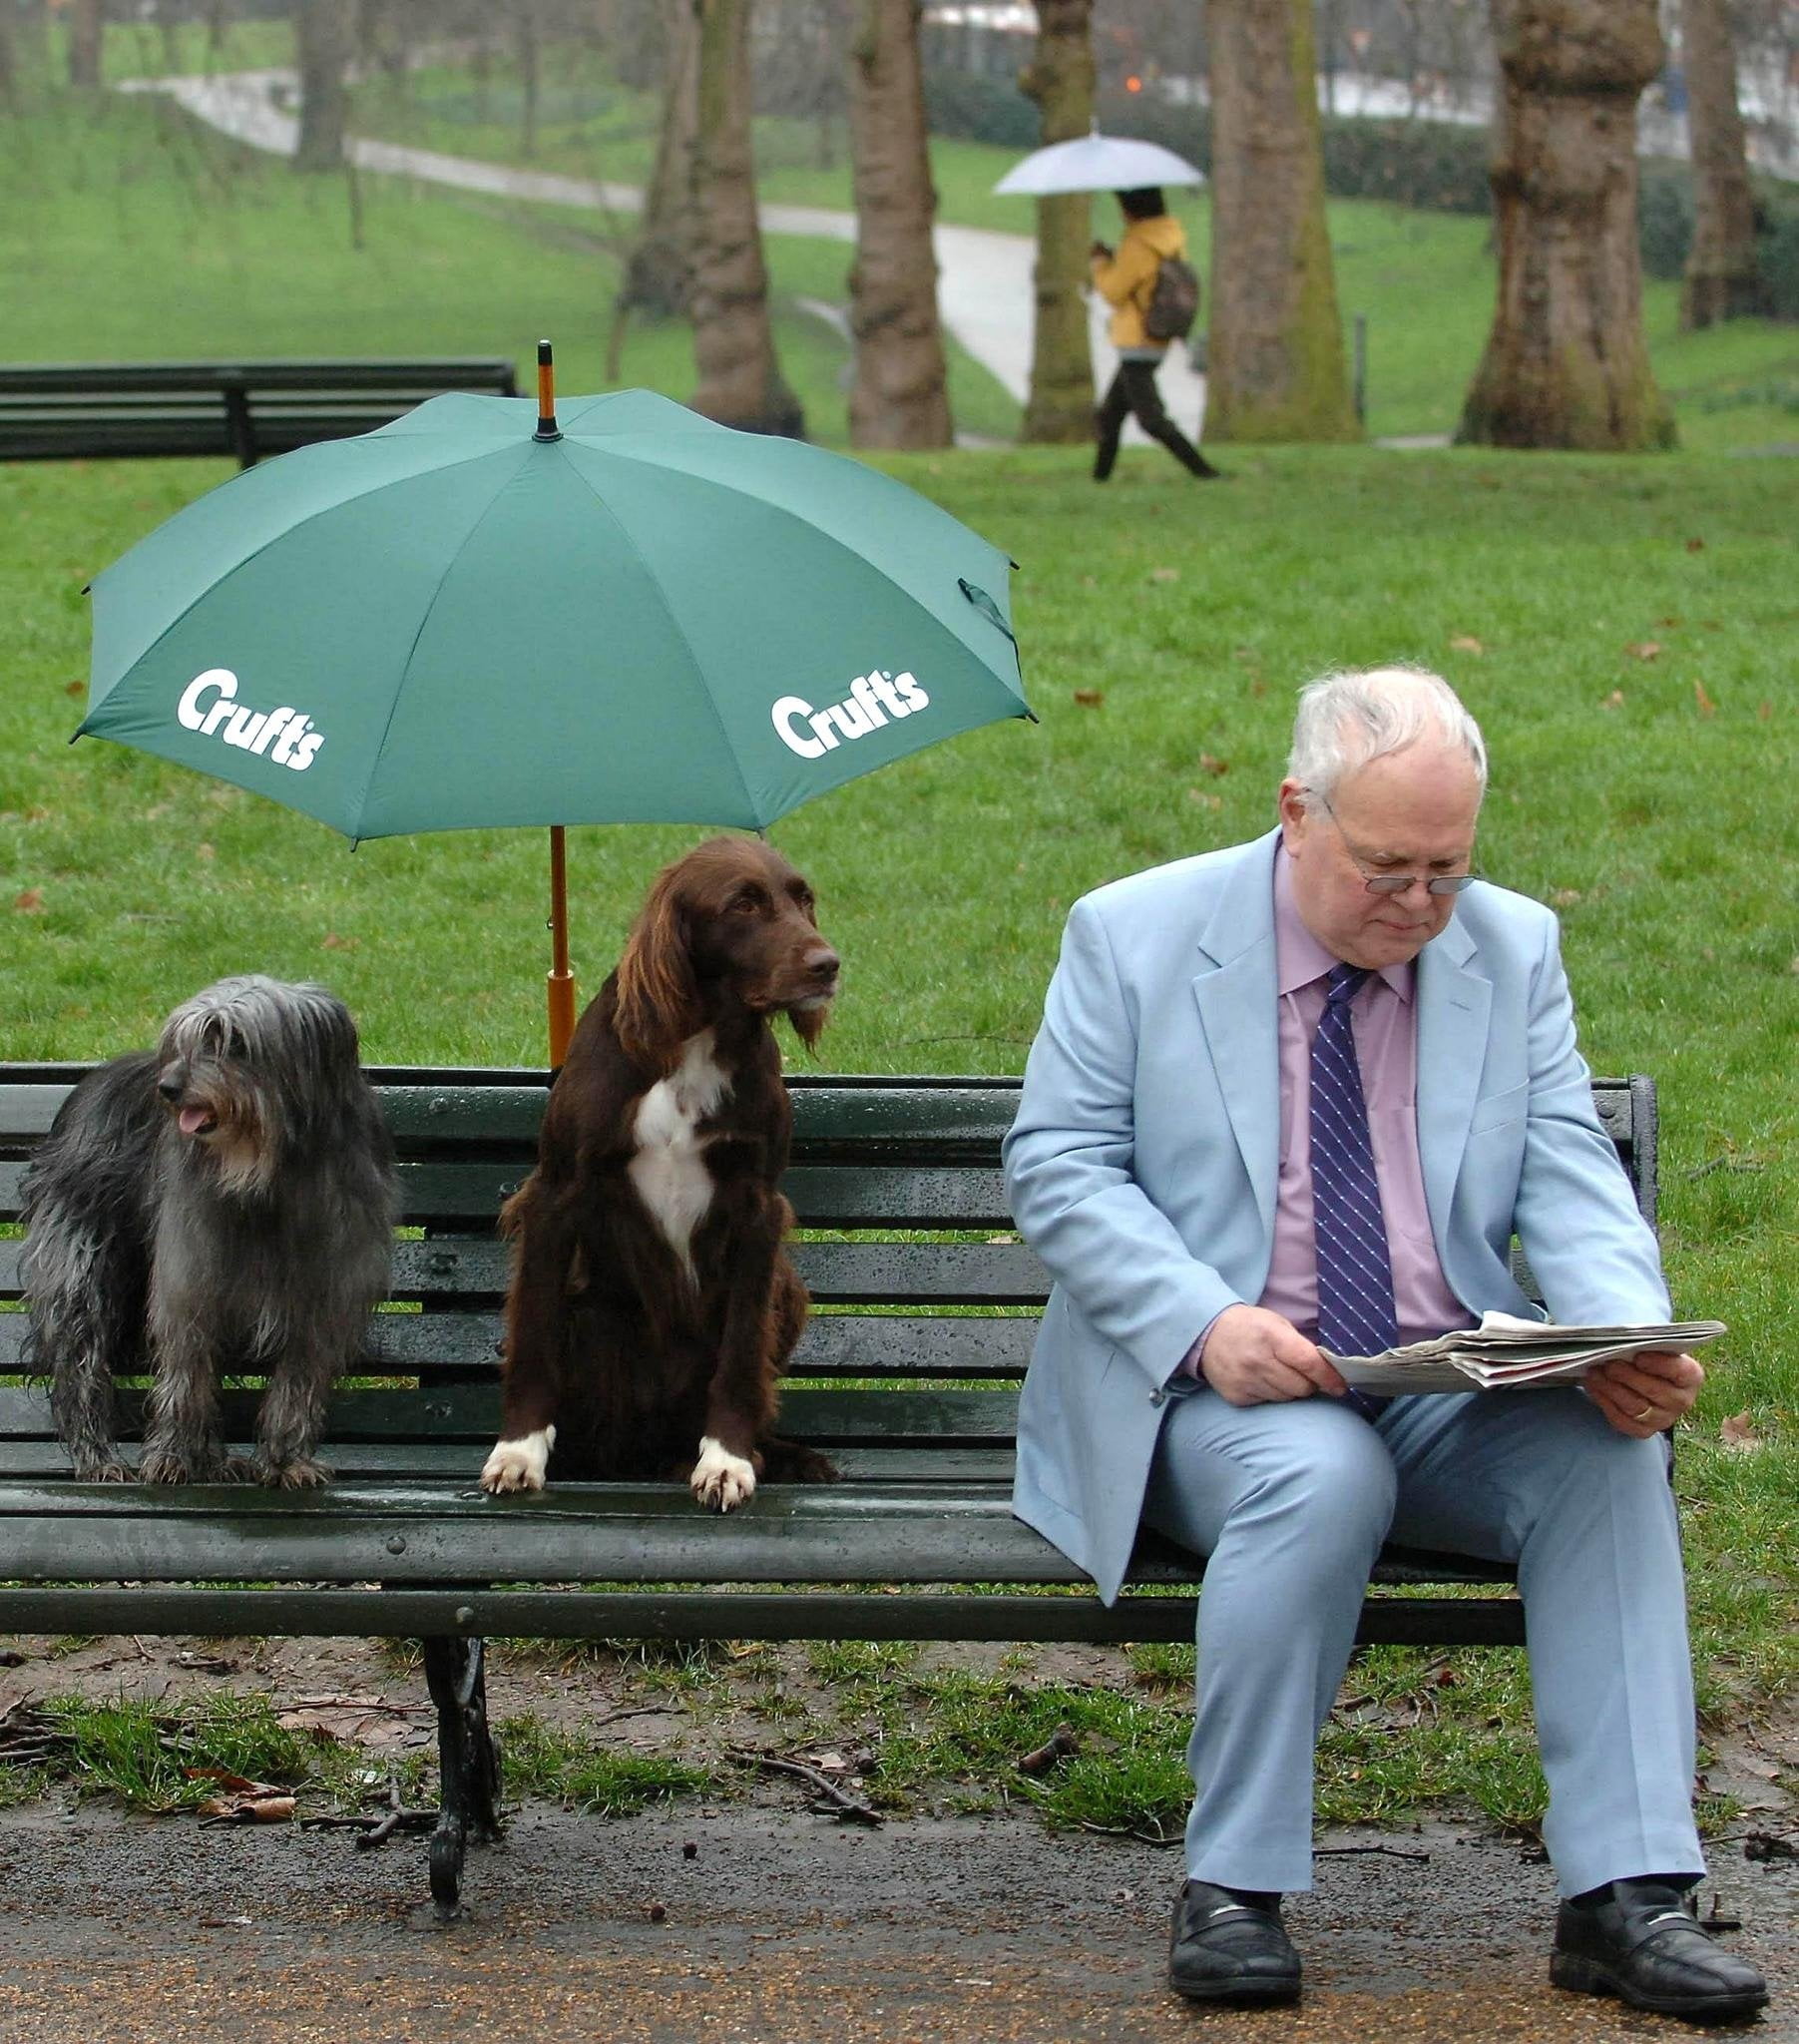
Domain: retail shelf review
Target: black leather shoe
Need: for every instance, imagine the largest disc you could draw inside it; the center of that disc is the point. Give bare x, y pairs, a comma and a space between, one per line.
1640, 1942
1228, 1946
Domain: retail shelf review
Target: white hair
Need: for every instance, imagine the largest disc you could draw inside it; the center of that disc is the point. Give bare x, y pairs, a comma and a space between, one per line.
1346, 719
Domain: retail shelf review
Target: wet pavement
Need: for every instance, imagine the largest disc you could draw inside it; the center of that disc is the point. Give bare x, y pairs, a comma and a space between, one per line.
777, 1927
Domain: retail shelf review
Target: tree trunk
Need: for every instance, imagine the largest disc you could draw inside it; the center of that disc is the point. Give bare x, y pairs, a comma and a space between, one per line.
740, 382
658, 276
1275, 364
1060, 78
1566, 365
900, 396
530, 75
1722, 279
321, 32
87, 29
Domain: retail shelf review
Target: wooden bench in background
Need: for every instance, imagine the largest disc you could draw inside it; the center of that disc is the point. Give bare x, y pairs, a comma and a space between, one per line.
898, 1183
61, 411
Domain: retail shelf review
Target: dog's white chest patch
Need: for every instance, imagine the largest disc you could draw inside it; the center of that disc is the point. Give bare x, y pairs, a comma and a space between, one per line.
670, 1169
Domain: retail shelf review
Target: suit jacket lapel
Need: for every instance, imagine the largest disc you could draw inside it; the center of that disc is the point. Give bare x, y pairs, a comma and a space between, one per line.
1454, 1002
1236, 995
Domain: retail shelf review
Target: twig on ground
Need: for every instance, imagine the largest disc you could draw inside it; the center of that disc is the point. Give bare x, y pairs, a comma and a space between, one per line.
1156, 1838
1392, 1853
376, 1830
844, 1806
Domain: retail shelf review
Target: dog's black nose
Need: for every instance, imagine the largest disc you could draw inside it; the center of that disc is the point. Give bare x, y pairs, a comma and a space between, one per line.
824, 966
172, 1082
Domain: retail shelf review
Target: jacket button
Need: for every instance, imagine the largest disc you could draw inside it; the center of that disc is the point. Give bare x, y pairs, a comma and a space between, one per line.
1159, 1397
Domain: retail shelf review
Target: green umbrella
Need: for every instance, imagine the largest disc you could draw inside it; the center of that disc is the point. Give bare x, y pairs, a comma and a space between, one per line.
473, 617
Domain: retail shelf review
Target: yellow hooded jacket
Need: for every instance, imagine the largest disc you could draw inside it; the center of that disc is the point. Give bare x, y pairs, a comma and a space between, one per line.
1127, 281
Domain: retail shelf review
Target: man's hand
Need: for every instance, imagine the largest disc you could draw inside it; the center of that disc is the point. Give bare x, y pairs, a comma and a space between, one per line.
1642, 1395
1255, 1357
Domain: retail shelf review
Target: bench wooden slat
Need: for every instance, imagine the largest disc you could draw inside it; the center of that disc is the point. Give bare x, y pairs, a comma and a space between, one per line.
731, 1614
451, 1347
409, 1459
286, 372
438, 1193
470, 1414
462, 1267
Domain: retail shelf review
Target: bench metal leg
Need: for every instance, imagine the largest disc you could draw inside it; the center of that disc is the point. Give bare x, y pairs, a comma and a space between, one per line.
468, 1762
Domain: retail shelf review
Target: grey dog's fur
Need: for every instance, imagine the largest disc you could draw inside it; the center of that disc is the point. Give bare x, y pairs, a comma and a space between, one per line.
260, 1246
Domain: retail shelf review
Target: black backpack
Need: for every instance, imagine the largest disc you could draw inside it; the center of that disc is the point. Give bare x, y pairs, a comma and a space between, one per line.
1175, 303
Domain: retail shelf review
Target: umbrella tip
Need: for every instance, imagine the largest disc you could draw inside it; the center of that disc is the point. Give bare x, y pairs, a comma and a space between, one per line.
547, 428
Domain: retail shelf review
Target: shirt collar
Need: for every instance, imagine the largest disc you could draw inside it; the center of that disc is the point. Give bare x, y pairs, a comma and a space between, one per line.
1299, 958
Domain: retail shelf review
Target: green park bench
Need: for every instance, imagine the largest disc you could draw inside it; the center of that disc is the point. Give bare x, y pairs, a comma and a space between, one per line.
61, 411
896, 1183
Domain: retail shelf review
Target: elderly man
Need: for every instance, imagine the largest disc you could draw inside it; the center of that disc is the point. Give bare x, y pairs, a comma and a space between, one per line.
1298, 1096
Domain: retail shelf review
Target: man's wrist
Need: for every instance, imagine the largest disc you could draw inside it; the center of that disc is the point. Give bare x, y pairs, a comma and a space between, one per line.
1193, 1363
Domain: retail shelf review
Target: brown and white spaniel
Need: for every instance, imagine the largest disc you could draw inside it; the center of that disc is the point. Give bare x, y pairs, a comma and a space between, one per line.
652, 1304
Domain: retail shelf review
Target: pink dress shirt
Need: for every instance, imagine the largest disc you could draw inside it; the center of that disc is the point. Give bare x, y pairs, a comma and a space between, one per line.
1385, 1028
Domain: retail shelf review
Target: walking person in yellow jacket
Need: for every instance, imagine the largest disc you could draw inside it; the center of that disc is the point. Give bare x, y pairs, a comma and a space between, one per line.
1126, 282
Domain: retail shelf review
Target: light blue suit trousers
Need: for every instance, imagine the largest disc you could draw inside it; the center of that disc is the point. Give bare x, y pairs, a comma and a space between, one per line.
1291, 1502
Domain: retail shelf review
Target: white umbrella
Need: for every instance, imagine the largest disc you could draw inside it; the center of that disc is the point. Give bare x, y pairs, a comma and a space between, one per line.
1098, 163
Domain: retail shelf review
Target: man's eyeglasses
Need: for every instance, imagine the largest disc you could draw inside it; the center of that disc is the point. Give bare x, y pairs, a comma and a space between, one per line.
1394, 883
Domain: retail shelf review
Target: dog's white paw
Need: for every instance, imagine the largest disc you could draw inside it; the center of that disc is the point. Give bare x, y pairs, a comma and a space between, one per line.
520, 1464
721, 1480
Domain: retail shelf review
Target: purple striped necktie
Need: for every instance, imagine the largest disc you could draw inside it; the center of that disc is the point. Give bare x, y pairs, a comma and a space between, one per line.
1356, 1315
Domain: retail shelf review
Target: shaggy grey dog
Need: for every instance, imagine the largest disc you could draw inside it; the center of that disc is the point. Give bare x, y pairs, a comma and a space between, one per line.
221, 1205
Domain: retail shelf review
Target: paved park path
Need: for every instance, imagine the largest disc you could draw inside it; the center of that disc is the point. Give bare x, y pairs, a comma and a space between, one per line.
984, 286
692, 1925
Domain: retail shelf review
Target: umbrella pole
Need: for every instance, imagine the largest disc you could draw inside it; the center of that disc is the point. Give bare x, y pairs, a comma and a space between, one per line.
562, 981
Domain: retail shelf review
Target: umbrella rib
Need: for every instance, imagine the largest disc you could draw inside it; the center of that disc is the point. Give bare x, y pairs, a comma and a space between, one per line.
275, 539
817, 531
655, 583
462, 546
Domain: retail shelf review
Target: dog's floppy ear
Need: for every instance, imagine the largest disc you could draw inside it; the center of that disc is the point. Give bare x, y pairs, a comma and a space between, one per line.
658, 993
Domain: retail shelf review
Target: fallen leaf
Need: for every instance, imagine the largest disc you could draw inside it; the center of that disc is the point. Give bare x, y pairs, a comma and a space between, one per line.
1564, 897
31, 902
1794, 967
1206, 802
205, 851
253, 1809
1463, 644
1695, 546
1645, 648
1090, 699
1164, 574
1211, 765
1737, 1433
331, 941
74, 688
1765, 710
1708, 707
1668, 624
1616, 701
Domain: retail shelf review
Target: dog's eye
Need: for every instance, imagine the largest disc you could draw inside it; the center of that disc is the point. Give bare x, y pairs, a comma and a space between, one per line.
234, 1045
747, 905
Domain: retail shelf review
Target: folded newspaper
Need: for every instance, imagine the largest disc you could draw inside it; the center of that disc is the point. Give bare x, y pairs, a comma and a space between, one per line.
1505, 1353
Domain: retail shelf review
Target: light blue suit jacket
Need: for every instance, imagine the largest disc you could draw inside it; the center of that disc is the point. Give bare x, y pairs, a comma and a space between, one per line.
1143, 1163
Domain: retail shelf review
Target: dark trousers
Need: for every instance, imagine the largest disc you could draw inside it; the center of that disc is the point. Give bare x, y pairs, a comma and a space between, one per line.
1133, 393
